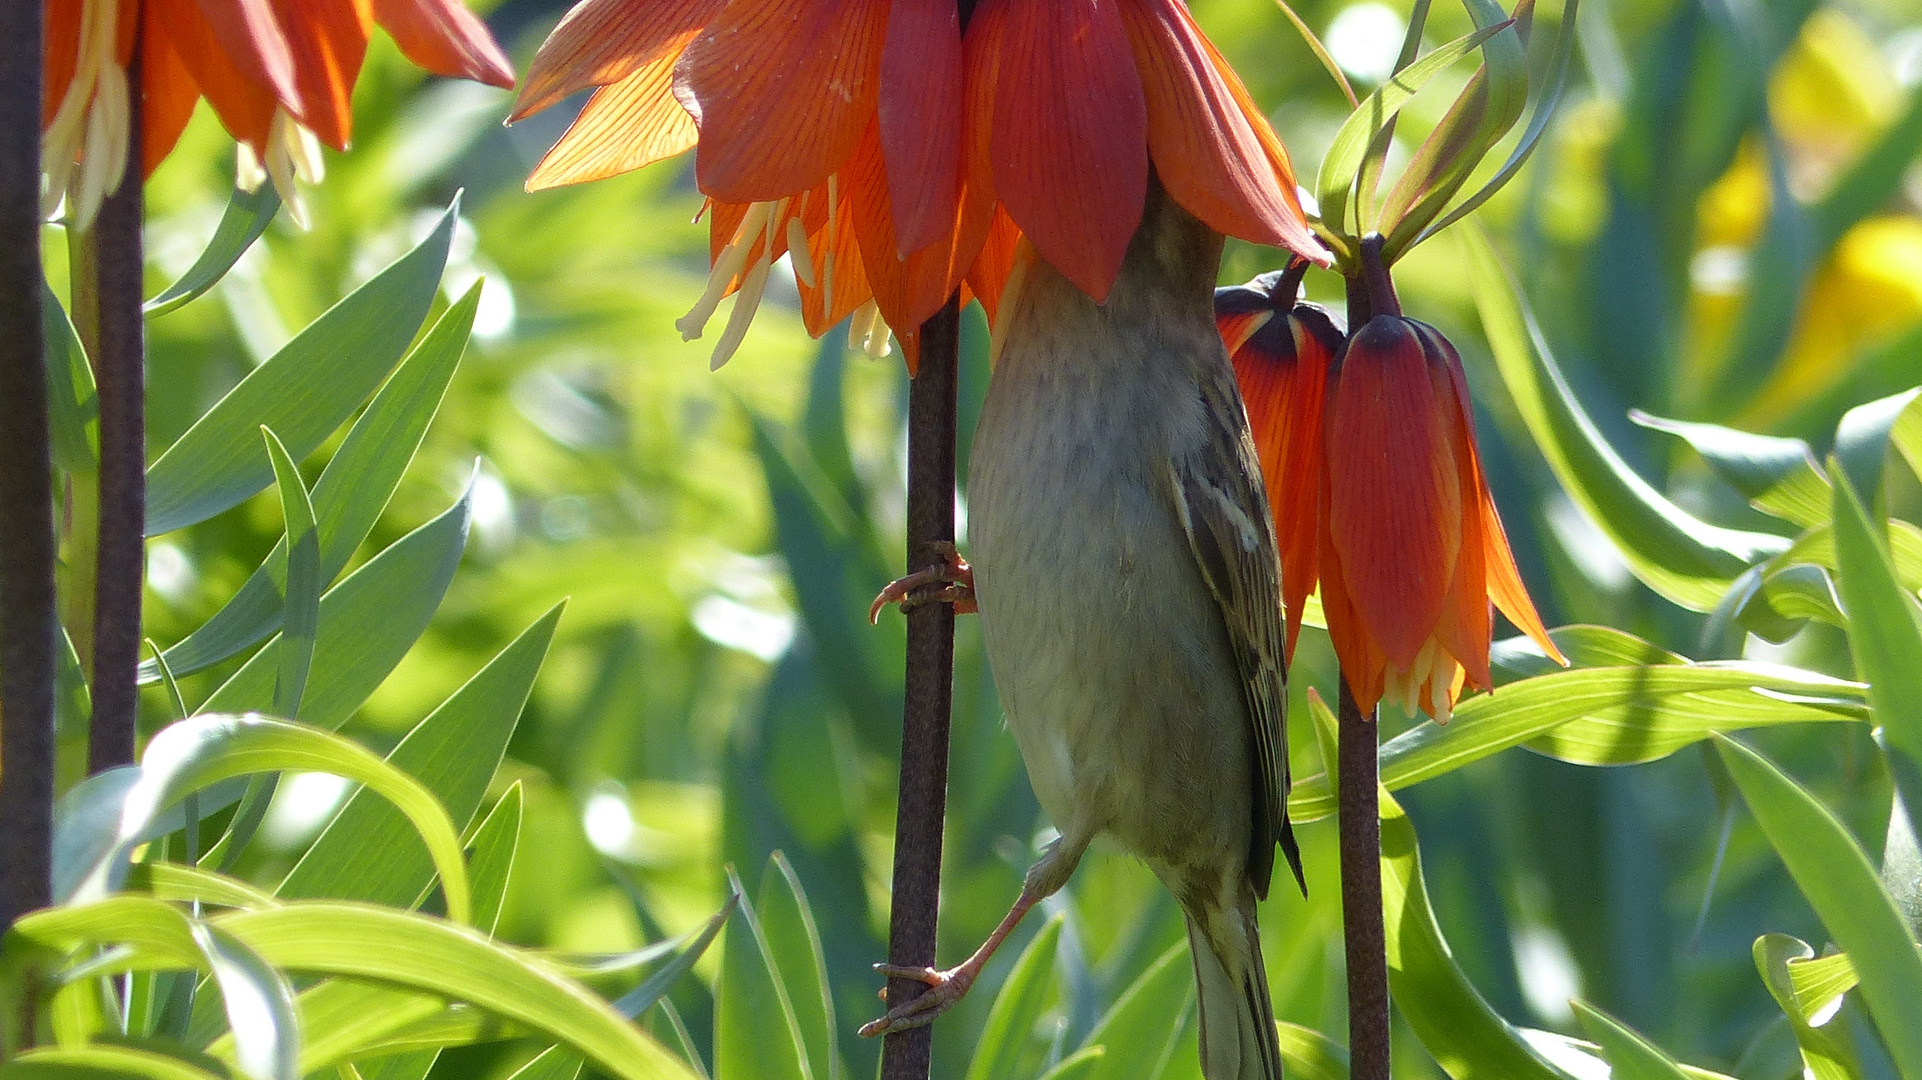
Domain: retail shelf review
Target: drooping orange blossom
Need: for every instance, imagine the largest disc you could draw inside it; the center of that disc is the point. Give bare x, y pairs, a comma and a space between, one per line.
279, 74
1378, 493
896, 159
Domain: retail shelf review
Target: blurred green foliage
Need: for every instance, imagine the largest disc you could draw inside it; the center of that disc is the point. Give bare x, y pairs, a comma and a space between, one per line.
1724, 225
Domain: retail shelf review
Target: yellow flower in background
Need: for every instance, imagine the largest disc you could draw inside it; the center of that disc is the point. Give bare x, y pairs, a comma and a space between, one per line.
1829, 96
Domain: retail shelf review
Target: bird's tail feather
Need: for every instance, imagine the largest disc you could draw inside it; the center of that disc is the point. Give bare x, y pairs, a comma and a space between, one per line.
1237, 1021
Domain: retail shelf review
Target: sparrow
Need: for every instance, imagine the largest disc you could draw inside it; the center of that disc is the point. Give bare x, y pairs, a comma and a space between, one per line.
1126, 573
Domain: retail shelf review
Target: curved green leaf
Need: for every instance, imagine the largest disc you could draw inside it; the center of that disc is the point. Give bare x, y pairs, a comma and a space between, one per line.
1826, 1051
422, 953
73, 405
367, 623
1678, 555
756, 1031
1885, 625
1077, 1066
302, 575
247, 216
348, 498
1017, 1008
184, 883
1141, 1029
1778, 476
1841, 885
259, 1004
1819, 983
553, 1063
795, 957
1602, 716
643, 997
100, 1061
1344, 157
1310, 1055
1862, 442
207, 749
304, 391
1630, 1057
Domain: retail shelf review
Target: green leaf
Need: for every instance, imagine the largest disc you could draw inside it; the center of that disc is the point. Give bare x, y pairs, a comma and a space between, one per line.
365, 852
184, 883
1141, 1028
348, 498
794, 955
73, 406
490, 857
98, 1061
553, 1063
1630, 1057
1885, 631
1874, 177
302, 574
1017, 1009
1840, 884
367, 623
1862, 442
1602, 716
341, 1018
1466, 1037
204, 750
756, 1031
1079, 1065
643, 997
1679, 556
304, 391
259, 1004
1826, 1051
248, 215
1778, 476
1310, 1055
1344, 157
422, 953
1819, 983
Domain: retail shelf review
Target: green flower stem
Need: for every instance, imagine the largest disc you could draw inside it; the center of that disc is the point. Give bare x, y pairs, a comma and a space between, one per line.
28, 631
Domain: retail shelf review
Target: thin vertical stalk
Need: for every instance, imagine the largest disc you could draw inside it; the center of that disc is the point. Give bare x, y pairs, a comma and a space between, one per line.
120, 372
907, 1055
28, 628
1361, 913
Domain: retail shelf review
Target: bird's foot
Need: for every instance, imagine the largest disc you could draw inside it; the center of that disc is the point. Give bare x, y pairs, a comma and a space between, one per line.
945, 988
951, 582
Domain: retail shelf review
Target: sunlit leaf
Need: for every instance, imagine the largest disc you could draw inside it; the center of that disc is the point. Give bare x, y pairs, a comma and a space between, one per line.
1017, 1009
349, 496
794, 955
1862, 442
553, 1063
644, 997
1310, 1055
1841, 885
1826, 1050
1630, 1056
1679, 556
303, 392
367, 623
1885, 633
756, 1031
1778, 476
247, 216
100, 1061
1142, 1027
259, 1004
302, 576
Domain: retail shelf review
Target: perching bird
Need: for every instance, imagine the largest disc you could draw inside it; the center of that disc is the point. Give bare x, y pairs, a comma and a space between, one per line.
1125, 567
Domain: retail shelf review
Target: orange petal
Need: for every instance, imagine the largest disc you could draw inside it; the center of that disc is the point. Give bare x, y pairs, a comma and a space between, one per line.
446, 39
244, 104
604, 41
167, 100
251, 38
1204, 150
988, 277
624, 126
60, 54
1395, 501
1070, 139
1299, 238
908, 291
1363, 666
782, 93
840, 279
329, 43
920, 114
981, 51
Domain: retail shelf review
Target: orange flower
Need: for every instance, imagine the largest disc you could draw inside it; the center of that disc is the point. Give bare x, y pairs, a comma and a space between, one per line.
1408, 549
278, 73
896, 159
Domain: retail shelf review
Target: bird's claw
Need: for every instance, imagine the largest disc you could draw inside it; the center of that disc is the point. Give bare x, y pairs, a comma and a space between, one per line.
952, 581
945, 988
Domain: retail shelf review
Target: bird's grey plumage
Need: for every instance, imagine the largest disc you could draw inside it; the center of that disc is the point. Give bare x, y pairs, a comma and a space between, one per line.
1126, 570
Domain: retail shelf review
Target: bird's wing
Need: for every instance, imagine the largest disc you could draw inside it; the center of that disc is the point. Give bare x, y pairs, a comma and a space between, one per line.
1219, 498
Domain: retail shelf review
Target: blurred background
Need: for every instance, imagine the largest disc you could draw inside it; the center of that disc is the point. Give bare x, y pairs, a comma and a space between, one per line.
715, 693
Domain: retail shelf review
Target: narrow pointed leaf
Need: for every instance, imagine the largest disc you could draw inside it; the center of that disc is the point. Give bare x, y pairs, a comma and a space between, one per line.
1885, 629
644, 997
756, 1032
247, 216
1017, 1009
1630, 1056
304, 391
794, 948
1778, 476
73, 406
1310, 1055
1826, 1050
259, 1004
102, 1061
1678, 555
302, 575
1138, 1031
348, 498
